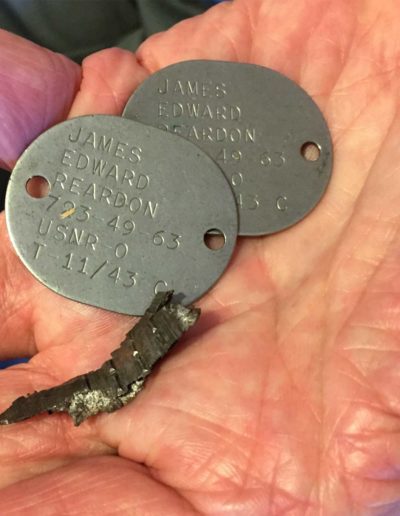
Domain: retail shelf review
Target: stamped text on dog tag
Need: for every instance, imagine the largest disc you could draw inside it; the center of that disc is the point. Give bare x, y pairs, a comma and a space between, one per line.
266, 133
107, 212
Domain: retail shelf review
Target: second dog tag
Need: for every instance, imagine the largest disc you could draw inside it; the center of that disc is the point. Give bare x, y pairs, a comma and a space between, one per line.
263, 130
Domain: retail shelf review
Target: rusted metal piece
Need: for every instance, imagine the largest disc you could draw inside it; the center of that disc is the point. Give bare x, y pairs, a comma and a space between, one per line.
119, 379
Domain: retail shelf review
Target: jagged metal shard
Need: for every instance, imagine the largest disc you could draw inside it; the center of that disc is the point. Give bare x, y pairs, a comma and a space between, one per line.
118, 380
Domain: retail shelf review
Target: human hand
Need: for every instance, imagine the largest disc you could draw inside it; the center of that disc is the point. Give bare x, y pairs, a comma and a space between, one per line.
286, 398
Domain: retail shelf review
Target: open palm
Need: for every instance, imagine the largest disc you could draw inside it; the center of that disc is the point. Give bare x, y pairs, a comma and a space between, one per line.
285, 399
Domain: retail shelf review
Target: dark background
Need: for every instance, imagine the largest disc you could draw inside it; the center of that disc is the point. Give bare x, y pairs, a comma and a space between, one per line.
77, 28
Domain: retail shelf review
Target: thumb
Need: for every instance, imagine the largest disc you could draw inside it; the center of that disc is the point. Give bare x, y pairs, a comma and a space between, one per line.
37, 88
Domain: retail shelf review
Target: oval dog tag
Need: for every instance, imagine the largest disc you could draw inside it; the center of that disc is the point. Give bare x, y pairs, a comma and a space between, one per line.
107, 212
266, 133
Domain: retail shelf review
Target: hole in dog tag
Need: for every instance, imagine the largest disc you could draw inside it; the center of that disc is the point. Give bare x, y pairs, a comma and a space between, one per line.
37, 187
265, 132
310, 151
214, 239
124, 215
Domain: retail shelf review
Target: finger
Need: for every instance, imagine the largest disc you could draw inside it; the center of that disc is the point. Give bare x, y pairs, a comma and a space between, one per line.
108, 79
107, 485
227, 25
37, 87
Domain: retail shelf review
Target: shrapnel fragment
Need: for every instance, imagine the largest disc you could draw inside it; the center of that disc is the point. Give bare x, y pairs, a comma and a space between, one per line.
119, 379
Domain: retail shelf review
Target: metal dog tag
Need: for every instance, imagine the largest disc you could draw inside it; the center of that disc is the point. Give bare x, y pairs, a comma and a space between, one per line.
265, 132
126, 213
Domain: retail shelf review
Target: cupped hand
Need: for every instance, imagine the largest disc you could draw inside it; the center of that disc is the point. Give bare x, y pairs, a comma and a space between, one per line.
286, 397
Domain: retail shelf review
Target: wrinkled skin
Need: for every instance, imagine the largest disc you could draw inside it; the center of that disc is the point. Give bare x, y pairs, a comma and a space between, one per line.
285, 399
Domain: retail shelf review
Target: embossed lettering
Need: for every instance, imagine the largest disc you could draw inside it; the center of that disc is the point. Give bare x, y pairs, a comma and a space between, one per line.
151, 209
207, 113
115, 274
91, 241
143, 182
105, 144
199, 111
85, 214
43, 229
113, 172
177, 109
207, 133
160, 286
281, 203
83, 162
170, 240
75, 183
75, 138
98, 166
248, 202
121, 150
214, 134
67, 156
128, 177
87, 266
179, 88
38, 249
135, 204
220, 89
121, 250
61, 232
193, 88
236, 135
229, 156
162, 109
90, 191
54, 200
120, 200
194, 110
136, 155
106, 193
128, 226
237, 179
60, 179
75, 236
276, 159
132, 279
193, 133
82, 270
90, 140
163, 89
102, 168
67, 266
104, 264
